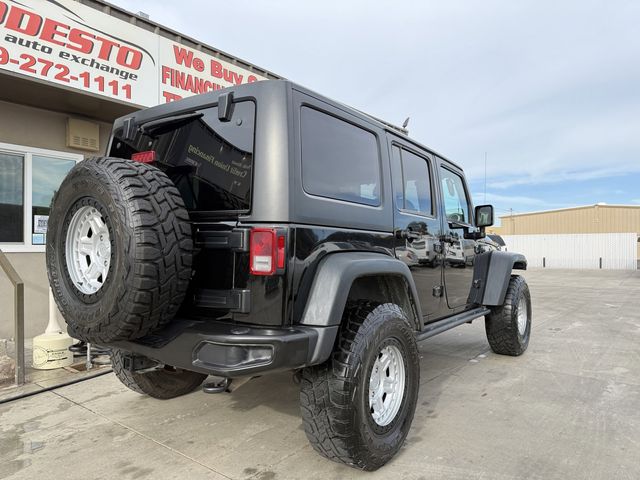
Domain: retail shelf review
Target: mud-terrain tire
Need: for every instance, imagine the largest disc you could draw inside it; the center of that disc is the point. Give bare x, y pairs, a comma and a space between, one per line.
162, 383
337, 414
508, 326
144, 246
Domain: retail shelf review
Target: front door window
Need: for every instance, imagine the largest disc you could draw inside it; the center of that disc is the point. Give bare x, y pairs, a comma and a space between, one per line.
459, 251
456, 203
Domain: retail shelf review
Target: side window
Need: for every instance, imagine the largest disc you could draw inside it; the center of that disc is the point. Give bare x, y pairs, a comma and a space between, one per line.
456, 203
412, 182
396, 177
339, 160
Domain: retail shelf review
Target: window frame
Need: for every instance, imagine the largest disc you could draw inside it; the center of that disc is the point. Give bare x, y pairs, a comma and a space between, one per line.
433, 193
27, 201
339, 118
466, 192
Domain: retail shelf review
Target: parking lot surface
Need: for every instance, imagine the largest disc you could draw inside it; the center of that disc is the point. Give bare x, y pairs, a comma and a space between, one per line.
569, 408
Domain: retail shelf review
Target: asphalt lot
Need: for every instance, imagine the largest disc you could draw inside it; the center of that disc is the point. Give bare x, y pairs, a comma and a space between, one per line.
567, 409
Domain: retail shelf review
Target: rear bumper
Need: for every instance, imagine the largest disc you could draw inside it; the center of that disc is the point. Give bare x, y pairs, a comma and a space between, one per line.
232, 350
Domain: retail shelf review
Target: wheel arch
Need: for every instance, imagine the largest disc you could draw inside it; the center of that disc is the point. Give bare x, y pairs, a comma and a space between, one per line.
345, 276
348, 275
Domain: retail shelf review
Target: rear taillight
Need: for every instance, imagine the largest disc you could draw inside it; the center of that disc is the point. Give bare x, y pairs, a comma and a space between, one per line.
262, 251
280, 252
144, 157
267, 251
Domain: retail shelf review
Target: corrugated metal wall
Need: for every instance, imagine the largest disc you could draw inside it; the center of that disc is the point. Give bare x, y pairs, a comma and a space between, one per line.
591, 219
582, 251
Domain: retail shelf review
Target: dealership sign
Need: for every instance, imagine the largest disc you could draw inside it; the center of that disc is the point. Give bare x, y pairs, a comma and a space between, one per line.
70, 44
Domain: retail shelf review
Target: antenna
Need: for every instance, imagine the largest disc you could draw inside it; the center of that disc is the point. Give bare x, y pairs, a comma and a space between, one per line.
406, 122
485, 177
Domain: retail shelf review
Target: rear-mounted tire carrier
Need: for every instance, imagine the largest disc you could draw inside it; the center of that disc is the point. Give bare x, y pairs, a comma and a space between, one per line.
236, 239
150, 252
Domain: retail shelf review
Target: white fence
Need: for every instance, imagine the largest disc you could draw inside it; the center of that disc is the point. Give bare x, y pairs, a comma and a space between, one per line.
611, 251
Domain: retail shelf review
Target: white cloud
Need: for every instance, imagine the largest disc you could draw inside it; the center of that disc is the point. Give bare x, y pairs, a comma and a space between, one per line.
515, 199
545, 87
550, 178
513, 203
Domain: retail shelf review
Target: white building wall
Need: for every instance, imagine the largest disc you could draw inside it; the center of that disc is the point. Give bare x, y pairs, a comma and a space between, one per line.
618, 251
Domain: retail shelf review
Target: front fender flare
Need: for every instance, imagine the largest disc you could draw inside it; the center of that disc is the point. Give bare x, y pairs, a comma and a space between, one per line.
498, 275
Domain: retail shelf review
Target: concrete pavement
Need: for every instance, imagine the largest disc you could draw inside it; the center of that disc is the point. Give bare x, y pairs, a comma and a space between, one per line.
567, 409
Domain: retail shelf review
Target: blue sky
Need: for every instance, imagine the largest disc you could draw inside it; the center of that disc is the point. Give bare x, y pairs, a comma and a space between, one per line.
550, 90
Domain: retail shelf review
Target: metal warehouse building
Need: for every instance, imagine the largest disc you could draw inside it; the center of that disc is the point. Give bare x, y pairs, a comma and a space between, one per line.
592, 236
67, 70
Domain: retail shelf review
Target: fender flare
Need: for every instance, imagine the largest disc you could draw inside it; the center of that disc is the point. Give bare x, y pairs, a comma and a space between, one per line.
498, 275
330, 290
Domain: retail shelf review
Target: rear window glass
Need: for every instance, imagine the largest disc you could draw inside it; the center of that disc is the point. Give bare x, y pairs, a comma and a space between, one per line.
411, 181
210, 162
339, 160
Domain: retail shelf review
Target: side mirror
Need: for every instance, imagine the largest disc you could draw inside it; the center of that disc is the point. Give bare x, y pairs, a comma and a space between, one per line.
484, 216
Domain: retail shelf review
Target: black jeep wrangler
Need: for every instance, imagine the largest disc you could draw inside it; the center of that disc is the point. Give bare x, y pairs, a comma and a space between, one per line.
263, 228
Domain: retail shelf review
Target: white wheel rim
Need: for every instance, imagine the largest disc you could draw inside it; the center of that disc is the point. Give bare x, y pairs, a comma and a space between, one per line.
522, 316
386, 385
88, 250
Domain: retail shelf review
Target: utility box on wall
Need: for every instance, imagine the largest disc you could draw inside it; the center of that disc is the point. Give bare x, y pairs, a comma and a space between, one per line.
83, 135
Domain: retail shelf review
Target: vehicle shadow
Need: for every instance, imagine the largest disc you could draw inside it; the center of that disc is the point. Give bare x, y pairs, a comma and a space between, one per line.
276, 391
438, 363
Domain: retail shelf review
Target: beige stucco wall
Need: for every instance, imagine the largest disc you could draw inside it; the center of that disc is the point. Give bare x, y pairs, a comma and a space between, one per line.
33, 127
31, 267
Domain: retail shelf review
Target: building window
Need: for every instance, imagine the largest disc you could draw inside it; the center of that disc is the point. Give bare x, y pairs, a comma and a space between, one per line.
29, 177
11, 197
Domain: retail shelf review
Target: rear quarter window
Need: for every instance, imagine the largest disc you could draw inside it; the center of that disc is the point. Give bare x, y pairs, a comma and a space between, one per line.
339, 160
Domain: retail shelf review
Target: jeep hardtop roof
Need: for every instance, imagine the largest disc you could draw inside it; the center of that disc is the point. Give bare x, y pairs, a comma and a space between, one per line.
211, 98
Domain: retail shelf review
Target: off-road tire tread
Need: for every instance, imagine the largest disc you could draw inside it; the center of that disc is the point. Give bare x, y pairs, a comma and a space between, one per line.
501, 325
159, 384
159, 238
325, 402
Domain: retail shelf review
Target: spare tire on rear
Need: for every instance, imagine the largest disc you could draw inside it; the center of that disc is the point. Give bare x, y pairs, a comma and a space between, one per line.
119, 249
